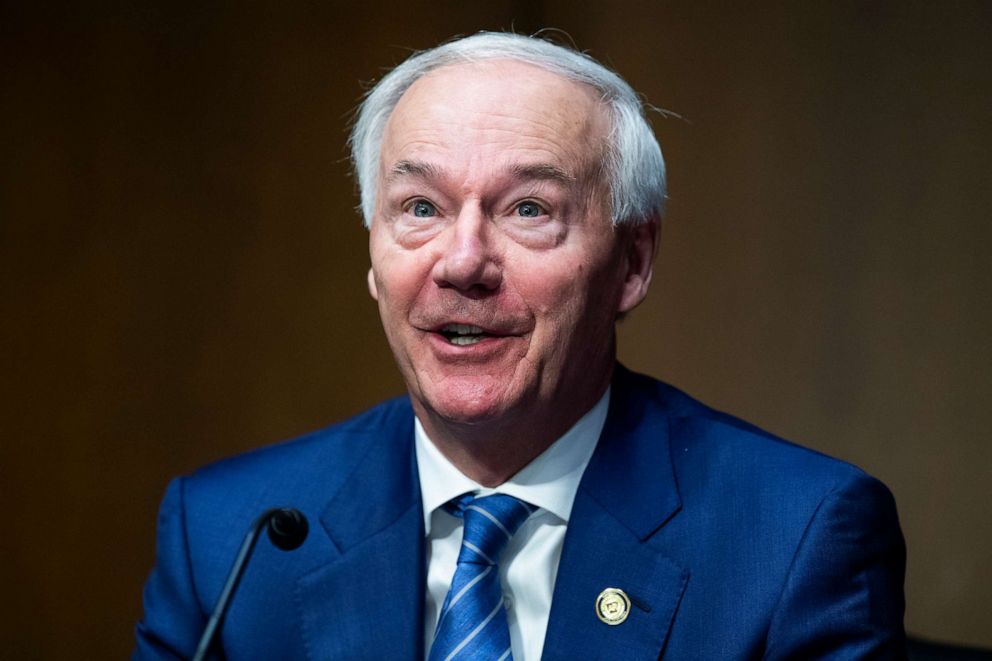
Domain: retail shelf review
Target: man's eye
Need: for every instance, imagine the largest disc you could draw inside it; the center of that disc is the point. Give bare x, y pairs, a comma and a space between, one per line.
423, 209
530, 209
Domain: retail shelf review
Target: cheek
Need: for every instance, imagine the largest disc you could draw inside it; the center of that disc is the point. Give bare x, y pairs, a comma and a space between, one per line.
393, 268
555, 292
573, 297
398, 277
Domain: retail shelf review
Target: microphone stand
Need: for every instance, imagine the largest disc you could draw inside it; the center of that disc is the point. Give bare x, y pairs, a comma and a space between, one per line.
287, 530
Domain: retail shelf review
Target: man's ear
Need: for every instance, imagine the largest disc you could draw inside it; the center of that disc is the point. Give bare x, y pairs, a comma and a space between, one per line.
641, 245
373, 290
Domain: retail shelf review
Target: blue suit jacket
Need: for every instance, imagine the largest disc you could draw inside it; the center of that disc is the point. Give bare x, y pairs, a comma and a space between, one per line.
731, 544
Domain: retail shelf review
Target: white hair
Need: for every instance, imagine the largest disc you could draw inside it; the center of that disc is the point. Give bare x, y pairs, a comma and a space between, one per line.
634, 164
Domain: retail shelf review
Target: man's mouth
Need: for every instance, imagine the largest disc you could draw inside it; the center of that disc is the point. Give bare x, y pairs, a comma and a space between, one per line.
463, 334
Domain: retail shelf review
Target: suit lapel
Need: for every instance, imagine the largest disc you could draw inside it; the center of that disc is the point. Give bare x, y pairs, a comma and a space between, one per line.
627, 494
367, 602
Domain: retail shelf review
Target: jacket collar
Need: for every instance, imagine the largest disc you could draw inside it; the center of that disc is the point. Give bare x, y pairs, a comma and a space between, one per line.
367, 601
628, 493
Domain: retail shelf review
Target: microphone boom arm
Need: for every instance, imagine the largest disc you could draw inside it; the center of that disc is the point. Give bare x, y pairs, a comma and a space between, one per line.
287, 530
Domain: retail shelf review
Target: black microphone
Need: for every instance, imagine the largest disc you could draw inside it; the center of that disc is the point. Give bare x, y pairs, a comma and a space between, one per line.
287, 529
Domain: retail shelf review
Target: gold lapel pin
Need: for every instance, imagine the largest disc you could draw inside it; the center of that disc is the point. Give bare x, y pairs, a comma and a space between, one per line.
612, 606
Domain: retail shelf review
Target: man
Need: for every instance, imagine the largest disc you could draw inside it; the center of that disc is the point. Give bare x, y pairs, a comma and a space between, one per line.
529, 497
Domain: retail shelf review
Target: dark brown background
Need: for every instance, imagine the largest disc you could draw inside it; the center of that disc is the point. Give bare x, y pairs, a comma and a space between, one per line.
183, 274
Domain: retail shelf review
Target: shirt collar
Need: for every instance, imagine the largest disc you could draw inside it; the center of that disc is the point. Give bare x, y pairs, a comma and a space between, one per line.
548, 482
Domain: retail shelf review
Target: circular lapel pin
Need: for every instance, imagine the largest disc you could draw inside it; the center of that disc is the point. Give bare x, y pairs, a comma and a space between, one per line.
612, 606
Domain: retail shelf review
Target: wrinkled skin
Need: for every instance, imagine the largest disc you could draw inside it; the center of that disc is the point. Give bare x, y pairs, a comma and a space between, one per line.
493, 213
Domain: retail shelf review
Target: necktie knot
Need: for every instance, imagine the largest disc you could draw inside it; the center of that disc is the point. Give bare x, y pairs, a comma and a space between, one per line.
489, 523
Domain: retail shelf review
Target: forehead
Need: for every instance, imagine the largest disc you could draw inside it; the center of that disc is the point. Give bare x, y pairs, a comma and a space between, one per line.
497, 110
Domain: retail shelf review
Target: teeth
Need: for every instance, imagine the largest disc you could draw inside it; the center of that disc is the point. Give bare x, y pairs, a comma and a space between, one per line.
462, 329
464, 341
463, 334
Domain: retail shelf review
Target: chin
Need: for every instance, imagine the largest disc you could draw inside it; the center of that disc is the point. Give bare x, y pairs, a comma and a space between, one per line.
468, 401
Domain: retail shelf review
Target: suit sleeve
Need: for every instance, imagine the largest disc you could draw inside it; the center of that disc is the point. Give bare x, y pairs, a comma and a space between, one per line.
173, 619
843, 598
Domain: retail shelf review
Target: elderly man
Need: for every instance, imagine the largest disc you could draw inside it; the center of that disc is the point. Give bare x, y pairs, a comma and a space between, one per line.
530, 498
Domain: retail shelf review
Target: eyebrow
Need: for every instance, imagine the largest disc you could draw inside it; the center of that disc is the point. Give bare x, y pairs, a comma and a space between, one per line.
417, 169
543, 172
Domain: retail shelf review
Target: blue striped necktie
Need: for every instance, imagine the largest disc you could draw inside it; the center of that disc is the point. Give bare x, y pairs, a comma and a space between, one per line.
473, 623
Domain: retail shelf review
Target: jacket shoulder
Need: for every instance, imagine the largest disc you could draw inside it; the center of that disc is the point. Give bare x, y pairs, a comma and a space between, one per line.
809, 542
694, 426
316, 462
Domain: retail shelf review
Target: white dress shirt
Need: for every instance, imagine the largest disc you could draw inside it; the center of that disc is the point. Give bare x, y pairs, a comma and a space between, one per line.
529, 563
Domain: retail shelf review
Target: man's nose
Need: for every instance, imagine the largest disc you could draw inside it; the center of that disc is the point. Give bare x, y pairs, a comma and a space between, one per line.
468, 261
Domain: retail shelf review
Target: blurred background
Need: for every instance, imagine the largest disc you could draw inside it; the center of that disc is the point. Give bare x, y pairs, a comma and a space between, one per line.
183, 271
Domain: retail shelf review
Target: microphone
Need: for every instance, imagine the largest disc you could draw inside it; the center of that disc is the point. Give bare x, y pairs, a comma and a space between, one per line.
287, 528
